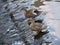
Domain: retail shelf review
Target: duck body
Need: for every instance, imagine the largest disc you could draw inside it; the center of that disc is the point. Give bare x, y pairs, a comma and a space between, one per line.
37, 27
29, 13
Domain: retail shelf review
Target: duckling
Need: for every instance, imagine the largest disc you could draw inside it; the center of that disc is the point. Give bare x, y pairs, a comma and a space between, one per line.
37, 27
29, 13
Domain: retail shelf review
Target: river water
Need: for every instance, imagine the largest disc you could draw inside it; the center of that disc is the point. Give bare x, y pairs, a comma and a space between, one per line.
52, 18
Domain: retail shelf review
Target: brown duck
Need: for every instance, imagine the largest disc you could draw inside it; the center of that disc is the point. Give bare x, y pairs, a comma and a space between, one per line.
37, 26
29, 13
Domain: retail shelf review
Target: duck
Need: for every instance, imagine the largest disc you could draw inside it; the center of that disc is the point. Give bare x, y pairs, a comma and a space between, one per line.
29, 13
37, 27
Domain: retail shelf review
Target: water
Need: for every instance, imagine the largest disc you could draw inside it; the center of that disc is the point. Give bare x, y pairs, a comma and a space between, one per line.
50, 15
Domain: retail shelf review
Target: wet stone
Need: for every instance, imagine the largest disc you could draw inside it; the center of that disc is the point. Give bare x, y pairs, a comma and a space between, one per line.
4, 0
